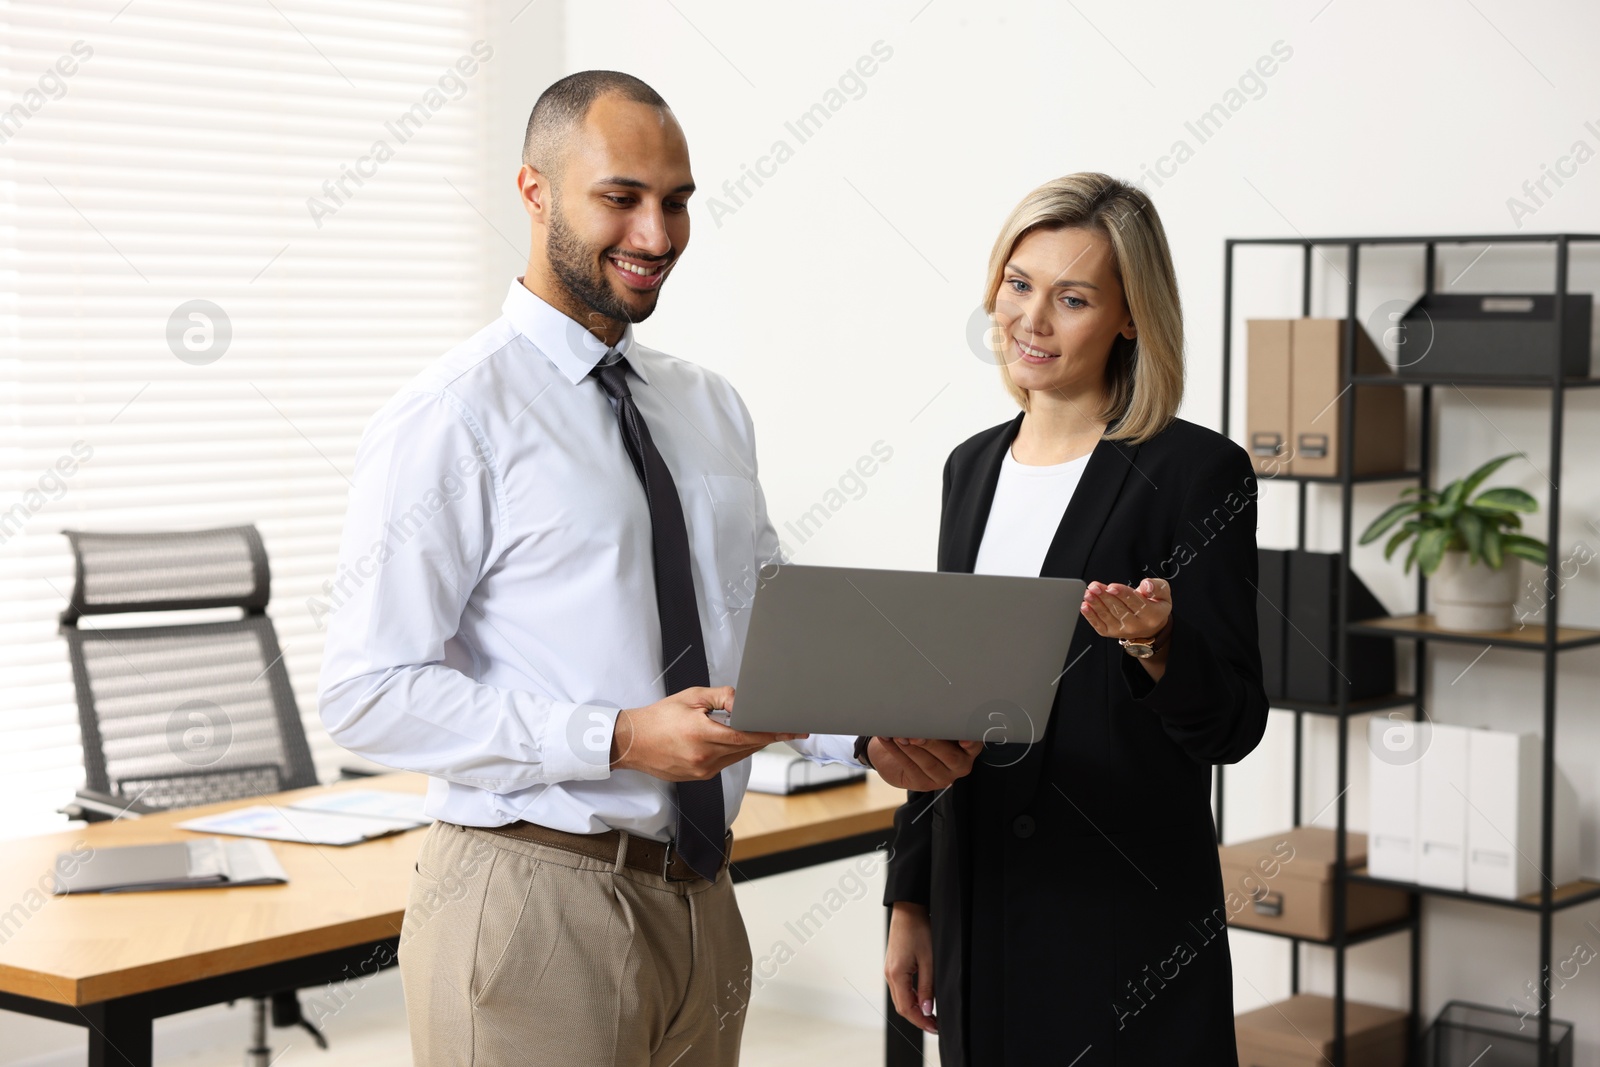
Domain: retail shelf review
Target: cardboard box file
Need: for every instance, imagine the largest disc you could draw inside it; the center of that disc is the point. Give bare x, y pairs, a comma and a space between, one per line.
1316, 355
1298, 1032
1312, 641
1294, 400
1392, 785
1287, 880
1267, 394
1504, 781
1442, 809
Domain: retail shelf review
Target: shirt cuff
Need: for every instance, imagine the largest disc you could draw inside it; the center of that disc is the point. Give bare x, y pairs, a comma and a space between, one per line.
828, 748
577, 742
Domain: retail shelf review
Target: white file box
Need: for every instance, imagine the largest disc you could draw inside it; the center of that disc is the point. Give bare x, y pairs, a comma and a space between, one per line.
1504, 776
1392, 798
1442, 809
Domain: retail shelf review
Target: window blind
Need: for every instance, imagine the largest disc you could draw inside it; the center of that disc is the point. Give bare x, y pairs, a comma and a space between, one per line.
229, 231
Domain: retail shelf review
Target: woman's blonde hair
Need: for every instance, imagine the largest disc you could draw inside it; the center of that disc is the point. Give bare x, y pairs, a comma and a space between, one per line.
1144, 376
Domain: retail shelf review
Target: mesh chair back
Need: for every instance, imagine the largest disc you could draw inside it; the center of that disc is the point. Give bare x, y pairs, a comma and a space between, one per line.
167, 571
184, 714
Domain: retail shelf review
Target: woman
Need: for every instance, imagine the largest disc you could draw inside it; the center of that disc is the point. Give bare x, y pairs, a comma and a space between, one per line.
1063, 903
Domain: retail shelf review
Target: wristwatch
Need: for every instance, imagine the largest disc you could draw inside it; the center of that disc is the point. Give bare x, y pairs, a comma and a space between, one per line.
1150, 645
861, 751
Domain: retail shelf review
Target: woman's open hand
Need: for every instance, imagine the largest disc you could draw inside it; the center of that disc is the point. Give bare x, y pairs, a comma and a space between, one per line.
1122, 611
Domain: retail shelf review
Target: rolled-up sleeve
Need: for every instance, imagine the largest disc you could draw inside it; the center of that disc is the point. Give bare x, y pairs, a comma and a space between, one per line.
1211, 699
425, 521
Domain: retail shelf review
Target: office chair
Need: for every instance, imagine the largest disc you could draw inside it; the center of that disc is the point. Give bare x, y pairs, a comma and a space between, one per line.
189, 713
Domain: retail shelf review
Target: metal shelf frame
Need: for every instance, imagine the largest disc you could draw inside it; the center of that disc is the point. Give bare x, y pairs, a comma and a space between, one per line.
1547, 904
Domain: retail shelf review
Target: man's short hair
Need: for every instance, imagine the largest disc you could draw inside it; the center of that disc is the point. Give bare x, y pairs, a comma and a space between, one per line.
562, 108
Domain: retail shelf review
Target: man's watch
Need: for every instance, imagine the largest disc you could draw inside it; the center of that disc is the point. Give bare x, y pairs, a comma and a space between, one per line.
1149, 646
861, 751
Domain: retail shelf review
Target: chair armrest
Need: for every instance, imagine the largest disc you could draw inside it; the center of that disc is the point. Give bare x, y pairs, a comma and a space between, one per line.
347, 773
93, 806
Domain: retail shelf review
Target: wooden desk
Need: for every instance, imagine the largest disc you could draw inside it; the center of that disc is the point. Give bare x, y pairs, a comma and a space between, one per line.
113, 963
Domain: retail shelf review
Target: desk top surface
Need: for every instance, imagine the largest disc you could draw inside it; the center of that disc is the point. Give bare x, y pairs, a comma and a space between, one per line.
85, 949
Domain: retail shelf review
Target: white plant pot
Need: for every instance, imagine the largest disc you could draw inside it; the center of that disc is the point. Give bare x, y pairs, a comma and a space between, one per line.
1473, 596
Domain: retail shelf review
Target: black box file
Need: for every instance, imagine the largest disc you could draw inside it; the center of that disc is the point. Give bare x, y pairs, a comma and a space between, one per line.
1501, 335
1312, 640
1272, 621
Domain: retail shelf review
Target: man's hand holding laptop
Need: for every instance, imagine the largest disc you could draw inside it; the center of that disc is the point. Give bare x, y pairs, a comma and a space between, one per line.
682, 738
677, 739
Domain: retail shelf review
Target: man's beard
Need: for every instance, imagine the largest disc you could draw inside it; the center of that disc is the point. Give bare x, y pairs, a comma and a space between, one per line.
578, 268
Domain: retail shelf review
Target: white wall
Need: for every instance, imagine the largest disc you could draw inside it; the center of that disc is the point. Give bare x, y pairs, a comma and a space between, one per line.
837, 295
836, 298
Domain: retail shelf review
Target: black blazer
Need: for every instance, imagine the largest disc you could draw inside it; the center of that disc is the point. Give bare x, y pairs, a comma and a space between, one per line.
1073, 884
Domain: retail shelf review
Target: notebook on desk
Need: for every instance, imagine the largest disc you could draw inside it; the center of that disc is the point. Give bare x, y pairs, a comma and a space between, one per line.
301, 827
170, 865
368, 803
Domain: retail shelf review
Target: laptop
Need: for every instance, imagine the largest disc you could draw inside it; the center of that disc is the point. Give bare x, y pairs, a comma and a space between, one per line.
965, 657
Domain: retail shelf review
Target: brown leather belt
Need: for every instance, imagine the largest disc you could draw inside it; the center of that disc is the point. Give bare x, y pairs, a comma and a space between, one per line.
644, 854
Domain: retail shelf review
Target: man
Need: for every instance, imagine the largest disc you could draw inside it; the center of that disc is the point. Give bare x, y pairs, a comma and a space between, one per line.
550, 539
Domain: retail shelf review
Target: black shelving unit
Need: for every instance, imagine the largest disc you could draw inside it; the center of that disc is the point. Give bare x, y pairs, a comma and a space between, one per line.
1549, 899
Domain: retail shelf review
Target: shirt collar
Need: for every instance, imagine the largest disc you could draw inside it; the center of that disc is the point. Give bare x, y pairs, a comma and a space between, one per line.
573, 349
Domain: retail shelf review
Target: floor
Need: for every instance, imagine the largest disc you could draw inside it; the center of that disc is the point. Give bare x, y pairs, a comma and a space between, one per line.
772, 1038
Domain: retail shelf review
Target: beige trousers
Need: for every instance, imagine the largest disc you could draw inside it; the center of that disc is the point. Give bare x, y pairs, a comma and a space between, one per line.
514, 953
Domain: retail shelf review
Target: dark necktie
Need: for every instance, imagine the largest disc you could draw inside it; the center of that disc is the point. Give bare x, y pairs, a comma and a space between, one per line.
701, 830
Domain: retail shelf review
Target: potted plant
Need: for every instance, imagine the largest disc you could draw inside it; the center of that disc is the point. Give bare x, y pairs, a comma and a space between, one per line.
1464, 545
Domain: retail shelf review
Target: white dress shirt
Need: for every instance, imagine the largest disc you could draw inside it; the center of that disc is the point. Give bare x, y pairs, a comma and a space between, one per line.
495, 602
1028, 504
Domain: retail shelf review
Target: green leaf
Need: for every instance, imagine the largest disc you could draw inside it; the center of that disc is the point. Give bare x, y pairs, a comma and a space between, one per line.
1498, 517
1508, 498
1424, 493
1491, 548
1528, 548
1475, 479
1391, 515
1454, 493
1412, 555
1470, 525
1532, 555
1400, 535
1431, 546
